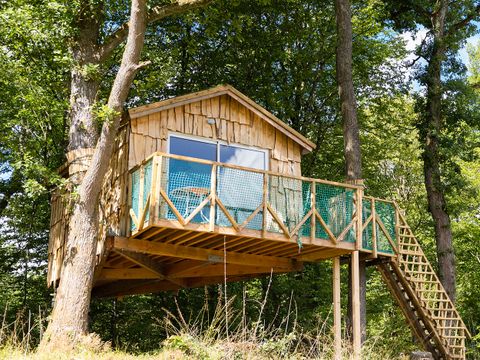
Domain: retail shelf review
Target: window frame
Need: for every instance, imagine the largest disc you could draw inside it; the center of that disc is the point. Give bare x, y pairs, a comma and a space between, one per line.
265, 152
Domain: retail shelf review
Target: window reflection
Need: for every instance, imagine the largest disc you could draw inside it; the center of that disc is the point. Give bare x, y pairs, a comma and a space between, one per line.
193, 148
243, 157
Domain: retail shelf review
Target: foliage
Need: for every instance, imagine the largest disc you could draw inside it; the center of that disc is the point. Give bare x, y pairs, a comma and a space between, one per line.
280, 53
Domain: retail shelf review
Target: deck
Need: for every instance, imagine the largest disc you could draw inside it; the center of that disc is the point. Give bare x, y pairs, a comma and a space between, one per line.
196, 222
190, 217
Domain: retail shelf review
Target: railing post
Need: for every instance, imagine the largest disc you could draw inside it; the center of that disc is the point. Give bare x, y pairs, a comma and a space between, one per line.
128, 230
337, 310
153, 191
141, 190
374, 228
356, 317
213, 197
359, 211
397, 229
265, 198
158, 185
313, 206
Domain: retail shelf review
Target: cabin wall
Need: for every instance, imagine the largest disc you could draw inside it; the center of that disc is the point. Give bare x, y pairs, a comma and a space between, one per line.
113, 207
234, 123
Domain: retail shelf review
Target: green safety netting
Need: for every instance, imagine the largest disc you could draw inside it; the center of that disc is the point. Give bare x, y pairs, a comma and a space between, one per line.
147, 184
285, 199
386, 212
241, 192
135, 195
335, 204
188, 184
367, 240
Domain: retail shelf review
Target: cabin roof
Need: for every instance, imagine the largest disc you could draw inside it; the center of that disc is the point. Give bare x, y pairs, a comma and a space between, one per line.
264, 114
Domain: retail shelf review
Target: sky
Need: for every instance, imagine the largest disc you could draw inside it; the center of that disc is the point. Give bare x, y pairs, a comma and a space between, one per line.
414, 40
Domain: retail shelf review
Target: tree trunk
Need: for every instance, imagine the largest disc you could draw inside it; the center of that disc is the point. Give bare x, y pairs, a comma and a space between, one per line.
83, 132
351, 138
69, 319
430, 131
352, 153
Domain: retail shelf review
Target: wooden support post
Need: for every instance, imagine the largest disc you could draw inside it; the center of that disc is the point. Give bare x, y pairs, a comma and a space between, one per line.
213, 197
359, 211
141, 190
128, 230
313, 192
337, 313
158, 184
356, 328
397, 230
374, 229
153, 191
265, 199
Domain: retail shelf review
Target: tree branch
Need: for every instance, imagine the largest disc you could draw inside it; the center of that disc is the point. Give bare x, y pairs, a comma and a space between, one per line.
462, 23
157, 13
89, 189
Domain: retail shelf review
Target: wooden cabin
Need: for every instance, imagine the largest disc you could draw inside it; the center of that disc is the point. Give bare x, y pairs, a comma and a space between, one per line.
207, 187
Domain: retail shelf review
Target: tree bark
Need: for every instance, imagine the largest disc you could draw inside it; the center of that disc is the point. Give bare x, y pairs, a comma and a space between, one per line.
430, 131
83, 132
351, 137
69, 319
352, 153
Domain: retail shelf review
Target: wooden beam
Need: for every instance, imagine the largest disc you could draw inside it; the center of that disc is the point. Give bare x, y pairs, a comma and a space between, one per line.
325, 227
125, 287
145, 262
205, 270
230, 231
184, 266
146, 208
133, 287
233, 270
193, 253
126, 274
356, 329
227, 214
337, 311
107, 248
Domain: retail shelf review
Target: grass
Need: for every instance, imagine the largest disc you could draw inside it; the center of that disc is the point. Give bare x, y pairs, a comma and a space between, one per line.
226, 334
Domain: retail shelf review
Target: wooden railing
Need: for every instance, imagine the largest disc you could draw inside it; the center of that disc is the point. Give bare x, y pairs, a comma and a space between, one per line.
213, 196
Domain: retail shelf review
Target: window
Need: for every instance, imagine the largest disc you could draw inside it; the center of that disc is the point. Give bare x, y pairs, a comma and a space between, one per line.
241, 191
193, 148
218, 151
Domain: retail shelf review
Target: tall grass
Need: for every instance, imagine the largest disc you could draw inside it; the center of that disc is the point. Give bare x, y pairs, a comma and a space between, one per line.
245, 338
228, 333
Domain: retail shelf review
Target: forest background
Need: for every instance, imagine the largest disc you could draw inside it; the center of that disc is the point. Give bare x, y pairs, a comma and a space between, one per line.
282, 55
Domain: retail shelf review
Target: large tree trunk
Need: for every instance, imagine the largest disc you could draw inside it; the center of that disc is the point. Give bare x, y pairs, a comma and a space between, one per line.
430, 130
351, 138
69, 319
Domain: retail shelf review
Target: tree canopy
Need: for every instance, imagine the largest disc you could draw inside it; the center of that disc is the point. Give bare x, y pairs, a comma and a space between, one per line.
282, 55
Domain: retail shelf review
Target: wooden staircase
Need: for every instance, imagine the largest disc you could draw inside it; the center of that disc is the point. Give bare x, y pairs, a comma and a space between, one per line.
424, 302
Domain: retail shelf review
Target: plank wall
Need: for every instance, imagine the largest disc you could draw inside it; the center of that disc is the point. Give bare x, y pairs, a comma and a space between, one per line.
113, 211
234, 123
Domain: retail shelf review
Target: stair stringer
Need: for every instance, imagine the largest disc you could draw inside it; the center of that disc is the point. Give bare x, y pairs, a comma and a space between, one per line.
422, 329
432, 303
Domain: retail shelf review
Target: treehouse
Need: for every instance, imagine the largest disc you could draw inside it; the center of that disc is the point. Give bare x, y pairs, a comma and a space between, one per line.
207, 187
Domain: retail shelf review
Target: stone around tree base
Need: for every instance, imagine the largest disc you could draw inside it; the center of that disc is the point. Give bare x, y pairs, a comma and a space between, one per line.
421, 355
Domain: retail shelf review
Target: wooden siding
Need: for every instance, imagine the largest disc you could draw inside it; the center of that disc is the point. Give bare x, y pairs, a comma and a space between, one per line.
113, 209
234, 123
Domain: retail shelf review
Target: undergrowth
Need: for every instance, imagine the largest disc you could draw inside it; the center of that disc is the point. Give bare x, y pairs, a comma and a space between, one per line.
228, 333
